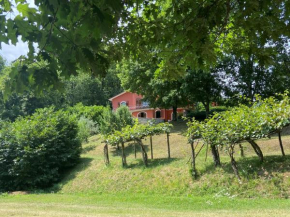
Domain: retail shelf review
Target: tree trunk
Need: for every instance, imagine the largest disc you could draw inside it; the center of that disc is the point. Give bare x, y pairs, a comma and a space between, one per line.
206, 107
151, 147
206, 110
242, 150
215, 155
144, 153
168, 146
118, 149
174, 113
135, 151
281, 144
124, 162
234, 163
256, 149
106, 155
194, 172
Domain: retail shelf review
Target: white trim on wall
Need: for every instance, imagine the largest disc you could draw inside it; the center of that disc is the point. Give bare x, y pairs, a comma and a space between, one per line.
118, 95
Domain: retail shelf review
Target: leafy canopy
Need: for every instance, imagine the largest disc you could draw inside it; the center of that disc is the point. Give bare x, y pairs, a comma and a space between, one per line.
90, 34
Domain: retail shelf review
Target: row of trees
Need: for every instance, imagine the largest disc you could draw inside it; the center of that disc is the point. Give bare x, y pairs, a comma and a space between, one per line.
227, 130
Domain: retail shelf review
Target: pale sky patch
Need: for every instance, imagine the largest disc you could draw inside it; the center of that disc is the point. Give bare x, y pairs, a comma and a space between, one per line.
11, 52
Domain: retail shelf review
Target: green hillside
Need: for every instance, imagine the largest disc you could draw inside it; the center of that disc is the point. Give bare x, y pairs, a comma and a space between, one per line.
171, 177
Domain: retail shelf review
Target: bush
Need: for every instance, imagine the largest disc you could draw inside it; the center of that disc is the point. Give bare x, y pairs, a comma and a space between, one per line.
124, 117
108, 121
87, 128
93, 113
35, 150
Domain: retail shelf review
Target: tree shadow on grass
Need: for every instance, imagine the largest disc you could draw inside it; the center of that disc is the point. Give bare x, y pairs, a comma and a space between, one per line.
129, 149
88, 148
152, 163
70, 174
252, 167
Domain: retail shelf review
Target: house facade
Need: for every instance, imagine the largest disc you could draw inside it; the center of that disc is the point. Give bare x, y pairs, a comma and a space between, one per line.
141, 109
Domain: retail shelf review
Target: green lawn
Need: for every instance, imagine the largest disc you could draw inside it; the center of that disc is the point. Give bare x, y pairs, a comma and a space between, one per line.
138, 205
165, 188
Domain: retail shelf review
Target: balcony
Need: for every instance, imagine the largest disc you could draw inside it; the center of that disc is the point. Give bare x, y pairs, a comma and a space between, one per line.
139, 107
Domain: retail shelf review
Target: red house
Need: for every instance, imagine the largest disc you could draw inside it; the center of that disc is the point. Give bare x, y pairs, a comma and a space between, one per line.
140, 108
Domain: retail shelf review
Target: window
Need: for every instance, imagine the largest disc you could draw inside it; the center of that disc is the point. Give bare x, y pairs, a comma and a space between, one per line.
138, 102
123, 103
142, 115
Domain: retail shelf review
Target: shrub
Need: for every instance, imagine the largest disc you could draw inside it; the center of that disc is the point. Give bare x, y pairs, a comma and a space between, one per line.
108, 121
124, 117
87, 128
93, 113
35, 150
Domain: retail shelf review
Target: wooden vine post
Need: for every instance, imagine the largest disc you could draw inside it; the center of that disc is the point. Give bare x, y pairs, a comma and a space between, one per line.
233, 162
215, 155
168, 145
106, 155
135, 151
124, 162
280, 143
194, 172
151, 147
241, 150
118, 149
144, 153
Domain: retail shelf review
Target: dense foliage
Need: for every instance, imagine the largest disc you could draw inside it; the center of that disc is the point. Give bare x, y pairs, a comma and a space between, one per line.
112, 121
83, 88
93, 113
87, 128
35, 150
197, 33
91, 34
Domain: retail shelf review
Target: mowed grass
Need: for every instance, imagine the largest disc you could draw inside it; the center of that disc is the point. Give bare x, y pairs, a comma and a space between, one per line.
165, 188
138, 205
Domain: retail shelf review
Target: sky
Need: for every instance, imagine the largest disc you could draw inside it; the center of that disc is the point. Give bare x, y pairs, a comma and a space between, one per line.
11, 52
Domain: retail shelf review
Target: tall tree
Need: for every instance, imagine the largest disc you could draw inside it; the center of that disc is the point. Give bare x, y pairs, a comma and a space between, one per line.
141, 79
202, 87
249, 76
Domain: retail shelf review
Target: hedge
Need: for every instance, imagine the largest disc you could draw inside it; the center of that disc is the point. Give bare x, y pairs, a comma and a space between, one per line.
35, 150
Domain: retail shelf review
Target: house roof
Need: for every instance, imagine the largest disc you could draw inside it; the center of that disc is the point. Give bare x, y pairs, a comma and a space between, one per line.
120, 94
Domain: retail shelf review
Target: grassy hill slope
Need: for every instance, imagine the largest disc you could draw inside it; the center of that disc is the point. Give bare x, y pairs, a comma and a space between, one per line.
171, 177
